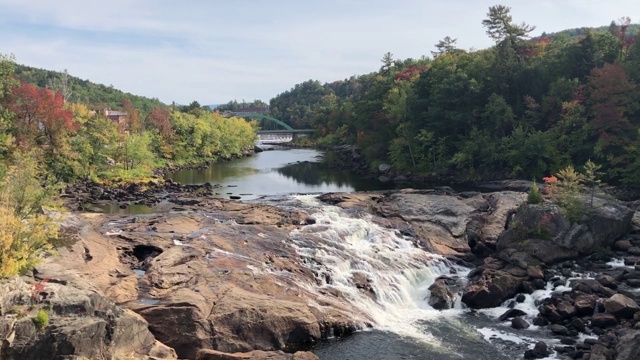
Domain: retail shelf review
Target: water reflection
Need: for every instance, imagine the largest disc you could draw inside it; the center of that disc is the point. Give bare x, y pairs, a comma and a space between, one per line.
278, 172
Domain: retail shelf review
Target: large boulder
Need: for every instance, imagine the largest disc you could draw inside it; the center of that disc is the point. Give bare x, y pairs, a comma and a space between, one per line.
451, 223
491, 290
244, 321
180, 321
621, 306
545, 234
628, 347
81, 324
440, 296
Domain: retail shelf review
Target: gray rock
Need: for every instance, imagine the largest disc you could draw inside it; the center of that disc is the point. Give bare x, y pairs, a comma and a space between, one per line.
511, 313
578, 325
441, 297
542, 231
82, 324
540, 321
254, 355
607, 280
383, 168
628, 347
559, 329
603, 320
519, 323
494, 288
539, 351
621, 306
622, 245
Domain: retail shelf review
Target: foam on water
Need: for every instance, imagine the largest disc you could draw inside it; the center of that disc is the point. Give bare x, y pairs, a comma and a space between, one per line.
619, 263
529, 305
397, 271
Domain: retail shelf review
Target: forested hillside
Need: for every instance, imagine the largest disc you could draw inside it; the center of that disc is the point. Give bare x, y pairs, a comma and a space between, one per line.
523, 108
95, 96
50, 137
69, 140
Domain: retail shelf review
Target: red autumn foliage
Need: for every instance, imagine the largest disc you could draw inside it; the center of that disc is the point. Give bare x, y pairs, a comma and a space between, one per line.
133, 116
159, 119
41, 118
610, 96
411, 72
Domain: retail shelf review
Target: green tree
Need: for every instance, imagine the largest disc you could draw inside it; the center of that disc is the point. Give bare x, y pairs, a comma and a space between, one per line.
25, 233
446, 46
136, 151
7, 83
591, 176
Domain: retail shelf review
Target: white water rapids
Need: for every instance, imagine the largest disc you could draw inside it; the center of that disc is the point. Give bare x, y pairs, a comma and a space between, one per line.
398, 272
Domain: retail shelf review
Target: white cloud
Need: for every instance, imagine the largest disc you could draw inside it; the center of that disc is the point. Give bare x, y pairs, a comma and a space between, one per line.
214, 51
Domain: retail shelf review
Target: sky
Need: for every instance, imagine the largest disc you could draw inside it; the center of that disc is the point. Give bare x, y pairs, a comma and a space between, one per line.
213, 51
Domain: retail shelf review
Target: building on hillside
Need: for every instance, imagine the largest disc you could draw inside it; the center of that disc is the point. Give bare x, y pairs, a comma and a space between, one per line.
118, 117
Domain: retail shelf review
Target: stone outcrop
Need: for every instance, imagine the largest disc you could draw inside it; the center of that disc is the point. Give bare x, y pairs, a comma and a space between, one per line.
628, 348
545, 234
491, 289
220, 280
254, 355
79, 324
441, 221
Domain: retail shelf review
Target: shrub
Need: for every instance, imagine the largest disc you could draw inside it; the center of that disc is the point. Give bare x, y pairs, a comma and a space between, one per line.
41, 320
534, 196
25, 233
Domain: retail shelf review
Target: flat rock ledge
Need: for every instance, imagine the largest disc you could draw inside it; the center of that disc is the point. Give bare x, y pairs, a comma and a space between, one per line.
254, 355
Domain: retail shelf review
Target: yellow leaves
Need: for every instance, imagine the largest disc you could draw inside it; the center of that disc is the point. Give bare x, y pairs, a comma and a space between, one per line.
81, 113
22, 242
25, 233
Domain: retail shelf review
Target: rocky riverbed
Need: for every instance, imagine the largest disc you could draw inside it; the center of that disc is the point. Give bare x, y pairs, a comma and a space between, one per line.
218, 279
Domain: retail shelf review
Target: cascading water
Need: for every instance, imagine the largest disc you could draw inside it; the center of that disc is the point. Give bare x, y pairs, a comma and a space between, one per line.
340, 248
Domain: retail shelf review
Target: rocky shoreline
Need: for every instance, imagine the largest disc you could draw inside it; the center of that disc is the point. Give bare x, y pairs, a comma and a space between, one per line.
351, 158
212, 278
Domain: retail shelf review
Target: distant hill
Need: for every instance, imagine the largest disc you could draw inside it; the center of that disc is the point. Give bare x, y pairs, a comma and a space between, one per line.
578, 32
212, 106
96, 96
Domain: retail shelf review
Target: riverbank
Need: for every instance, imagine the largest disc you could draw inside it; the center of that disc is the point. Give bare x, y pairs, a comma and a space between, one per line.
220, 274
287, 271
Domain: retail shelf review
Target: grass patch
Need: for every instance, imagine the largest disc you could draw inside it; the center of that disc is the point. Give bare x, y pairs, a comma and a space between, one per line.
41, 320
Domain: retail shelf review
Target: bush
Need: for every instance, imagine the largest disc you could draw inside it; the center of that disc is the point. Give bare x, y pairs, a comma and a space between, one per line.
534, 196
41, 320
25, 233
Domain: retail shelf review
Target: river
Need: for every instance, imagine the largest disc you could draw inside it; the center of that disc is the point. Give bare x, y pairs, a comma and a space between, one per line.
406, 327
279, 172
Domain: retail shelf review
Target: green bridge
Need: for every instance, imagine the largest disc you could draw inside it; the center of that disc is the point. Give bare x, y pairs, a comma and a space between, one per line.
272, 129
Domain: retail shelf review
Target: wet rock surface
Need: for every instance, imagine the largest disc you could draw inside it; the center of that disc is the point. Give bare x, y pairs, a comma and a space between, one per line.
219, 279
224, 275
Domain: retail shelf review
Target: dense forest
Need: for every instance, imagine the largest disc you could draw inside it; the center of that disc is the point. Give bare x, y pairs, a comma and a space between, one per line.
234, 105
53, 130
71, 140
523, 108
74, 89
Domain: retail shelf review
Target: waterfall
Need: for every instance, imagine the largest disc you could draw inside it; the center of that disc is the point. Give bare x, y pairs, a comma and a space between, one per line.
341, 247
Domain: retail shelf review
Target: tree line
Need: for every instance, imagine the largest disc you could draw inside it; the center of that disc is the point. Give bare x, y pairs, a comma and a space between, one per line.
48, 138
73, 140
523, 108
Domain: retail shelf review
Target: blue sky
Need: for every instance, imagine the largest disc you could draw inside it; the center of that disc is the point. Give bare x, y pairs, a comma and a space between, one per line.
214, 51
